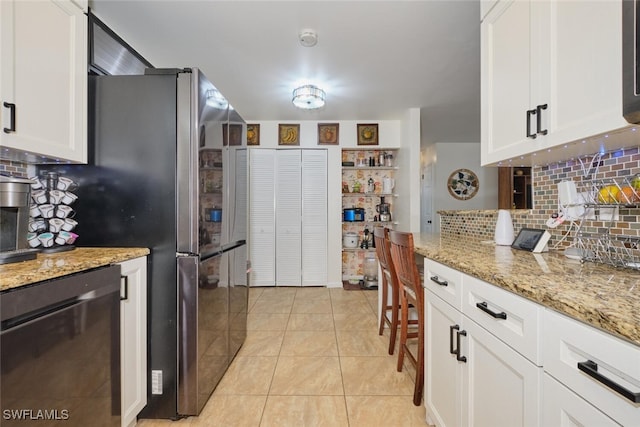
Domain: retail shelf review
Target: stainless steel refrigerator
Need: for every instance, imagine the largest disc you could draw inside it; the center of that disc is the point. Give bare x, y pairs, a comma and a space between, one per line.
168, 171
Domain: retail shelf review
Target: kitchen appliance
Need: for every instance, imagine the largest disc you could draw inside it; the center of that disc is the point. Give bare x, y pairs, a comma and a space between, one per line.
353, 214
504, 228
630, 60
350, 240
384, 210
387, 185
60, 351
370, 270
15, 196
168, 150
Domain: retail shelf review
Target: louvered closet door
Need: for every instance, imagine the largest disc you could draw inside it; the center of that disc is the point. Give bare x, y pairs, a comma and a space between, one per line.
314, 218
262, 241
288, 218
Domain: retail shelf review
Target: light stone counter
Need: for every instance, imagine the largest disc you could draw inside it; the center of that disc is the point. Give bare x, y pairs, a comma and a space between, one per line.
51, 266
599, 295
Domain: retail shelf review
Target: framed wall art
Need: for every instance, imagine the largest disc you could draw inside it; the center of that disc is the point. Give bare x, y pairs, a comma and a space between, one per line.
328, 133
288, 134
231, 134
463, 184
253, 134
368, 134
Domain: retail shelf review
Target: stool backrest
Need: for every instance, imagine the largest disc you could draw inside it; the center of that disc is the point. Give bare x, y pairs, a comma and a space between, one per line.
403, 256
383, 249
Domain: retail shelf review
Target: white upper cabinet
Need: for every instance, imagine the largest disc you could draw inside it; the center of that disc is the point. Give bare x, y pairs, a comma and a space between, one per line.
551, 74
43, 83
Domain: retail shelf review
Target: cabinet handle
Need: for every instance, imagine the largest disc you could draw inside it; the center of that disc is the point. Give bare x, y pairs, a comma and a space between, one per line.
438, 281
539, 109
12, 117
484, 307
591, 368
458, 357
451, 329
529, 134
125, 279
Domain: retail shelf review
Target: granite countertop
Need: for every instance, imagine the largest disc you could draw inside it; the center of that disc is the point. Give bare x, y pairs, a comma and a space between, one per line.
53, 265
600, 295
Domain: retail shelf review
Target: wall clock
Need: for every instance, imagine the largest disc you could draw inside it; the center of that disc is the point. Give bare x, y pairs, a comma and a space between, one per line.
463, 184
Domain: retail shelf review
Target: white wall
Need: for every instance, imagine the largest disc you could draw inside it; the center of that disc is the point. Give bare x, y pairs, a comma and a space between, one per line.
403, 134
445, 157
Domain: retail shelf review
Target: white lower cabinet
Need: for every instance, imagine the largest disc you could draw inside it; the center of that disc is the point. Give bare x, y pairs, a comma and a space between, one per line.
472, 377
598, 367
494, 358
133, 339
561, 407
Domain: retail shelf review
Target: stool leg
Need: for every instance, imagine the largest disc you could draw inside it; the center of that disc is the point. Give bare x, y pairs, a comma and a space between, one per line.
404, 315
419, 386
394, 320
384, 306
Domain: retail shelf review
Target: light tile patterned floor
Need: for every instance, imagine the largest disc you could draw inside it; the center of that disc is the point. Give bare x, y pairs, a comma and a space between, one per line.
312, 357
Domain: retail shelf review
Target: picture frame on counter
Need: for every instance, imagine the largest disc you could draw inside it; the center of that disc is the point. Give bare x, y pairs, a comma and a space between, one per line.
367, 134
253, 134
328, 133
288, 134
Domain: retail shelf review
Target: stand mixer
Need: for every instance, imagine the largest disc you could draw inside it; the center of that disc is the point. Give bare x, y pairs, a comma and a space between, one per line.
384, 210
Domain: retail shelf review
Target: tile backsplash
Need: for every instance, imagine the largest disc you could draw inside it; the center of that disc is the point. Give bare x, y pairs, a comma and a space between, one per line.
614, 165
9, 167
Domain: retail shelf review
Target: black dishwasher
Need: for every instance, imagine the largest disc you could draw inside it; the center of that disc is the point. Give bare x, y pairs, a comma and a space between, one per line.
60, 351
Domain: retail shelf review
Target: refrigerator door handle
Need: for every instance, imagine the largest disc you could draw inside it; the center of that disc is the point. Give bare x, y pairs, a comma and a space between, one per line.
187, 335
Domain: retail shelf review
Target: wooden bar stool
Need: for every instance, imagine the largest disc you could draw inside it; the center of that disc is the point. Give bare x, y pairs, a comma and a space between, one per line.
411, 292
389, 280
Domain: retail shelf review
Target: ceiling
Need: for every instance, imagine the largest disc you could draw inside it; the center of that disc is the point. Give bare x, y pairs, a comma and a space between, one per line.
374, 59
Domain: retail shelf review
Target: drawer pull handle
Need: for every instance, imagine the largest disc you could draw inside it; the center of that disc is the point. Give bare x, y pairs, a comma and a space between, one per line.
484, 307
591, 368
438, 281
451, 329
458, 357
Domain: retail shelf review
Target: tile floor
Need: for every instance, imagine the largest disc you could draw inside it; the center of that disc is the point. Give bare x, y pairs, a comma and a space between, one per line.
312, 357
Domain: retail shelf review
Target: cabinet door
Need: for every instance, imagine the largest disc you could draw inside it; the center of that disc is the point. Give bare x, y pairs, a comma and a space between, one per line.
43, 54
443, 381
585, 74
262, 220
500, 387
314, 217
564, 408
288, 217
133, 338
507, 87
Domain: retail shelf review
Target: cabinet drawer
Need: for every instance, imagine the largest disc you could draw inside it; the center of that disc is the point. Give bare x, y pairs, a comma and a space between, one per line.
513, 319
568, 342
444, 281
563, 408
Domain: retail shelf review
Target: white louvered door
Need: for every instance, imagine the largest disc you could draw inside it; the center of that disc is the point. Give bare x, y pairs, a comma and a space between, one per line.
314, 218
262, 241
288, 217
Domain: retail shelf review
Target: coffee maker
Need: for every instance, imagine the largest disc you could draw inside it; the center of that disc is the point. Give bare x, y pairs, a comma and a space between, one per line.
384, 210
15, 195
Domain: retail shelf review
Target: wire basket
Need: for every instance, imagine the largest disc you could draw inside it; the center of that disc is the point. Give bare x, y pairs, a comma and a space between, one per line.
619, 251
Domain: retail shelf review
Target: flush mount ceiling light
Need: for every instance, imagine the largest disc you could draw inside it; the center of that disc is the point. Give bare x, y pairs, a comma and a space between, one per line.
308, 97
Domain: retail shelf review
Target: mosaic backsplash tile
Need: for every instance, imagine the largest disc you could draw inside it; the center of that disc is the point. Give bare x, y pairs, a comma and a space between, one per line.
615, 165
8, 167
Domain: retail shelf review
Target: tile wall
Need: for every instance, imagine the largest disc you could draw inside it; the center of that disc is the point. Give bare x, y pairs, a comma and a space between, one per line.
8, 167
615, 165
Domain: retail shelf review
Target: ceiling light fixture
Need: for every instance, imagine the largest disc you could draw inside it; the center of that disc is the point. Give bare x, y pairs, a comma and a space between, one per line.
308, 97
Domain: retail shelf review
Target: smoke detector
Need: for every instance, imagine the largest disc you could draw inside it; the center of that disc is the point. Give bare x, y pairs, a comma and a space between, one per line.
308, 38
